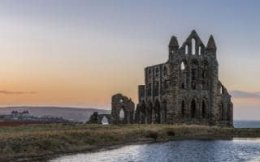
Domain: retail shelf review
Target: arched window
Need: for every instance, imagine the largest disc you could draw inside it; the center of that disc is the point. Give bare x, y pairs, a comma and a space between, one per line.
165, 84
203, 109
204, 74
186, 49
182, 85
200, 50
165, 72
221, 90
150, 72
121, 114
182, 66
194, 73
157, 72
183, 75
193, 46
149, 89
193, 78
164, 109
156, 88
183, 109
193, 108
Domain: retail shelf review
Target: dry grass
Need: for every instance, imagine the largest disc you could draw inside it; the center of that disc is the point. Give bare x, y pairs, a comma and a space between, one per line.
43, 140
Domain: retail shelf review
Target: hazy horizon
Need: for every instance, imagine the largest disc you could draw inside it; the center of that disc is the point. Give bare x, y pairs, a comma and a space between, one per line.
79, 53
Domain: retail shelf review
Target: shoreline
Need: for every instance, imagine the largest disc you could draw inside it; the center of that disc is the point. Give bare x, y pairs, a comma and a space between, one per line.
118, 146
48, 142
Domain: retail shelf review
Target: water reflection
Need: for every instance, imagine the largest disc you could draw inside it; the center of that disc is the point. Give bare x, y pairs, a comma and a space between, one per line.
185, 150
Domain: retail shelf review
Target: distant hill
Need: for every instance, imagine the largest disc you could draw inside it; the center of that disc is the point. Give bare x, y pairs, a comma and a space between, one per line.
70, 113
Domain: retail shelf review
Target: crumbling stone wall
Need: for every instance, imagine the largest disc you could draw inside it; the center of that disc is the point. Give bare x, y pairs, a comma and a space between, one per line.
185, 89
125, 105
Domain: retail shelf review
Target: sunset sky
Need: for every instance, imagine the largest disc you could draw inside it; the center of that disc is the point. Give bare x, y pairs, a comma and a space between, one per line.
80, 52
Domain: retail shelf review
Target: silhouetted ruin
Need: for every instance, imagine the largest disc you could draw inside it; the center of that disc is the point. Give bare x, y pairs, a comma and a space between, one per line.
185, 89
122, 109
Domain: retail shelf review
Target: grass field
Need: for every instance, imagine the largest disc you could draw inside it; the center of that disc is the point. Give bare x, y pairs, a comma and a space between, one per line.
44, 141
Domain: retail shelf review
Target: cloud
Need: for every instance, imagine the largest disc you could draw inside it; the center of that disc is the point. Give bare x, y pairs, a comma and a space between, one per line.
244, 94
5, 92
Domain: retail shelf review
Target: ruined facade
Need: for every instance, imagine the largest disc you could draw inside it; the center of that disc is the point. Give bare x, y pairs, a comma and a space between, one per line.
122, 112
186, 88
122, 109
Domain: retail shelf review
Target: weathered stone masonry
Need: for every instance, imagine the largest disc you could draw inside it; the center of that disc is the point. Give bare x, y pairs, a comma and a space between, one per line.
124, 105
186, 88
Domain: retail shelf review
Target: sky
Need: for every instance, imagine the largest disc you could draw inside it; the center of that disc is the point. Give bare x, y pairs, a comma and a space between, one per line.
79, 52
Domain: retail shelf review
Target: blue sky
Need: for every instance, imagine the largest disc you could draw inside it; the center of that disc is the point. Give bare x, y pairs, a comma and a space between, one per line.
79, 52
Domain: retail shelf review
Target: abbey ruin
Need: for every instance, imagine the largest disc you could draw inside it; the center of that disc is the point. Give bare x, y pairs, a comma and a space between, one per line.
184, 89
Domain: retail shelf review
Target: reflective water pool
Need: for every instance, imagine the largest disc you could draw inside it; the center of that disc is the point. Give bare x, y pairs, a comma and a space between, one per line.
184, 151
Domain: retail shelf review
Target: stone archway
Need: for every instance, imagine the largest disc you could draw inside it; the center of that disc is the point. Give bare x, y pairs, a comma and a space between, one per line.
122, 114
203, 110
183, 109
124, 107
164, 112
193, 109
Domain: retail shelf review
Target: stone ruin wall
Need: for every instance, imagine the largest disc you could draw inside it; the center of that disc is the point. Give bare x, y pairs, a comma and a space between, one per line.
184, 89
126, 106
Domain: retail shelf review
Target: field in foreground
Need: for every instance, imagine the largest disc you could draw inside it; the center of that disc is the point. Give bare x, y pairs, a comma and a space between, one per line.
41, 142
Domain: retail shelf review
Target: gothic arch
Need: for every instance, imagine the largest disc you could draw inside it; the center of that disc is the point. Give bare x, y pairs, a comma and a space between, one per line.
183, 109
164, 111
193, 46
183, 74
221, 111
205, 74
122, 114
204, 109
186, 50
156, 88
193, 108
165, 71
194, 73
157, 112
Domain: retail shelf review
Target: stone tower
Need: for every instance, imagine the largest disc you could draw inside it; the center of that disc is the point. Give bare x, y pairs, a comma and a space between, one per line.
185, 89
